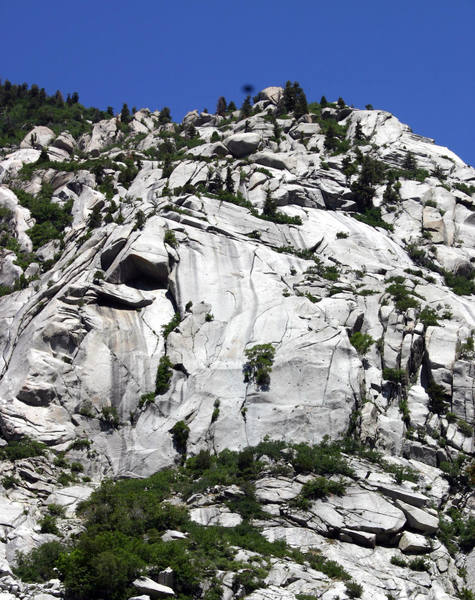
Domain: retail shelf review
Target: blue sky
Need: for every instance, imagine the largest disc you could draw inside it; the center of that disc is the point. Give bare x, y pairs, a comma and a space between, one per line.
414, 58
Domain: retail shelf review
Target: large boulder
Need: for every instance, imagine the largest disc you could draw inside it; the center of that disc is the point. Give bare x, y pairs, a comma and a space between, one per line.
38, 137
242, 144
272, 94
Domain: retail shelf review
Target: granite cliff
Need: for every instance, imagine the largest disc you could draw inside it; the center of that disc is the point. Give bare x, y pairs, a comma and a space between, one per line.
238, 278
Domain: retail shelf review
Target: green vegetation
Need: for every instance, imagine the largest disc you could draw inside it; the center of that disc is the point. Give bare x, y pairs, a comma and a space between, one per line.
125, 520
180, 432
402, 296
428, 316
394, 375
461, 284
51, 218
353, 589
110, 417
416, 564
170, 238
457, 532
171, 325
258, 366
320, 487
372, 216
162, 380
362, 342
24, 448
23, 108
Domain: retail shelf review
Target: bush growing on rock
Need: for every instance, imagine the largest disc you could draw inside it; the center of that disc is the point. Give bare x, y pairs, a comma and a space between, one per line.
163, 377
180, 432
362, 342
258, 367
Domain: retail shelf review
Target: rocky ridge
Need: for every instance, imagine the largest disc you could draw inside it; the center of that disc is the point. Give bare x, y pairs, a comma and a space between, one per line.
186, 245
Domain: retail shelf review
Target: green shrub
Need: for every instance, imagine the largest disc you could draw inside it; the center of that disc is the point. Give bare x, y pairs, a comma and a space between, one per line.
399, 562
419, 564
320, 487
170, 238
24, 448
341, 235
164, 375
394, 375
258, 367
362, 342
373, 217
462, 285
56, 510
428, 316
48, 524
40, 564
171, 325
437, 398
9, 481
80, 444
110, 417
180, 432
353, 589
146, 399
465, 428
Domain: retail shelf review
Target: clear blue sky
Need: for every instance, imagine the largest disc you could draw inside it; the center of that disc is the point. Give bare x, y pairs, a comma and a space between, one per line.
414, 58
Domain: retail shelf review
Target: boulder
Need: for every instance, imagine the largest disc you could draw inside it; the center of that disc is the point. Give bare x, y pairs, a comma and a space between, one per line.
413, 543
271, 94
242, 144
215, 515
38, 137
65, 141
152, 588
419, 519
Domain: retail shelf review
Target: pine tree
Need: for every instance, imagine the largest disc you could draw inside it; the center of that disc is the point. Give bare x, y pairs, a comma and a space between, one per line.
270, 205
359, 135
221, 106
323, 102
246, 108
110, 111
341, 103
75, 98
229, 181
125, 114
301, 107
231, 107
165, 116
410, 163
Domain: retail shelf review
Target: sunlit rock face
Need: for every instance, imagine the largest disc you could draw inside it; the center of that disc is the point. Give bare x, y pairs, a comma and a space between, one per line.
250, 233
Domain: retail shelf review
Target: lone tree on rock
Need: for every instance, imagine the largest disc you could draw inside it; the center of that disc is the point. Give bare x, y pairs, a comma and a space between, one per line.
221, 106
165, 116
125, 113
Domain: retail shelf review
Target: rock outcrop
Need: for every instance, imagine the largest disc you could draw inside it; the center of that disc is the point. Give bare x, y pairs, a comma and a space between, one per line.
172, 265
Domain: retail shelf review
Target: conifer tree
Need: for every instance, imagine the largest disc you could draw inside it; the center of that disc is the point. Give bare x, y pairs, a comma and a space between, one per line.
165, 116
125, 114
323, 102
246, 108
221, 106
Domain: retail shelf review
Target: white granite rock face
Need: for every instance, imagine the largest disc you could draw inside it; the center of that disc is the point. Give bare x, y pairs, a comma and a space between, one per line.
175, 266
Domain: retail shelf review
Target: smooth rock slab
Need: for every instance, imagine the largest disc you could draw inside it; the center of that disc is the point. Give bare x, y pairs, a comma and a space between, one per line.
152, 588
276, 490
214, 515
360, 510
